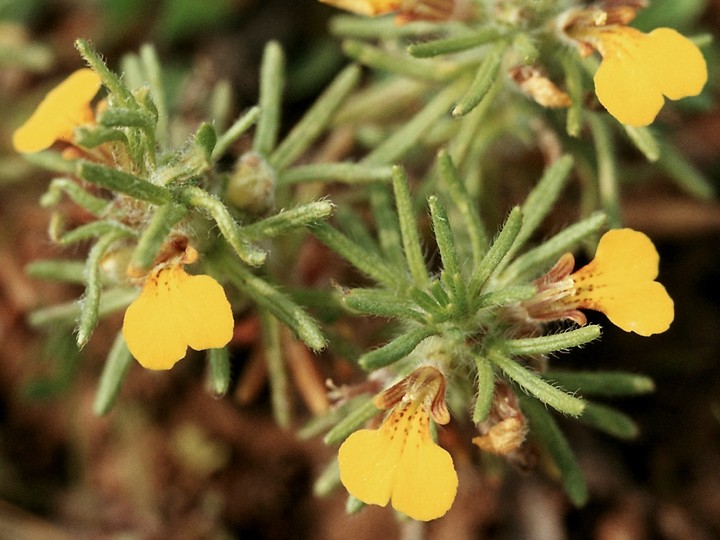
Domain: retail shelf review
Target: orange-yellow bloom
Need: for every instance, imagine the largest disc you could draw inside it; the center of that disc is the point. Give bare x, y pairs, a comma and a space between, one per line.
619, 282
176, 310
407, 10
399, 462
638, 69
366, 7
64, 108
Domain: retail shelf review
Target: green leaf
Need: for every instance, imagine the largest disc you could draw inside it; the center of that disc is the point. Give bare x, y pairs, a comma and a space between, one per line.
551, 343
533, 384
381, 303
398, 348
453, 44
315, 119
609, 420
486, 389
219, 373
117, 364
544, 428
500, 248
272, 84
155, 235
356, 418
408, 229
602, 383
122, 182
483, 81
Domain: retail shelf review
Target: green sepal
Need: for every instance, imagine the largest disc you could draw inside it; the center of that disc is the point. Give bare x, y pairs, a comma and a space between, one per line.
396, 349
607, 177
524, 47
574, 85
353, 505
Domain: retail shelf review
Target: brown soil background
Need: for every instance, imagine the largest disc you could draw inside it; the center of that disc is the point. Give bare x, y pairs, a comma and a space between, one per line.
65, 473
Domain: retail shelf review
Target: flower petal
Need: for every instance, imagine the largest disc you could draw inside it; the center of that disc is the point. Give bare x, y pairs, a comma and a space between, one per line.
643, 308
64, 108
675, 62
624, 83
173, 311
150, 326
366, 7
622, 256
205, 312
426, 482
620, 283
368, 460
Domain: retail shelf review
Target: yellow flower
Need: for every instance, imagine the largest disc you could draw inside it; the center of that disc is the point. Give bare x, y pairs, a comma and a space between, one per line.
408, 10
619, 282
63, 109
399, 462
638, 69
176, 310
366, 7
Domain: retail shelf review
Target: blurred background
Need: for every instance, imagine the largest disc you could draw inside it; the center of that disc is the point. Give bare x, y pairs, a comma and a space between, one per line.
172, 461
